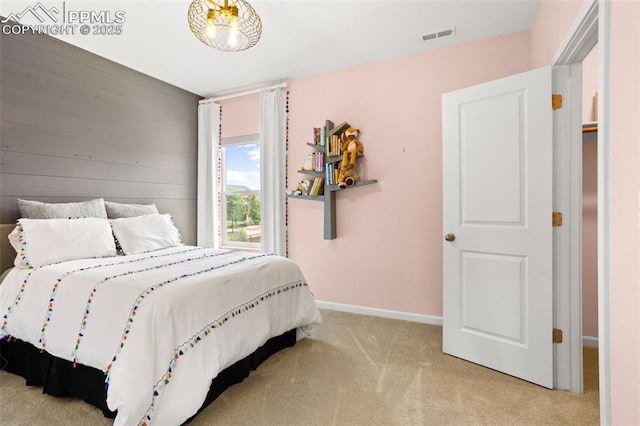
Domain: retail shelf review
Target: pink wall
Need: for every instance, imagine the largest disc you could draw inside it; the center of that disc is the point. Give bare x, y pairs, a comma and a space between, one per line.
388, 253
589, 84
625, 232
241, 116
553, 21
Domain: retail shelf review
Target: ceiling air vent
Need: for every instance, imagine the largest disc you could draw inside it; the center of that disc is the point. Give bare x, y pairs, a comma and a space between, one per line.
439, 34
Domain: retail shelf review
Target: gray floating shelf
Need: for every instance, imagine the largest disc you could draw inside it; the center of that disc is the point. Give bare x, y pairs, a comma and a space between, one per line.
316, 146
358, 183
311, 172
307, 197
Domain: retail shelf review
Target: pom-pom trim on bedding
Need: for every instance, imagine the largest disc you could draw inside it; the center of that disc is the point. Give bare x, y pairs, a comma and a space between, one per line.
121, 261
23, 256
149, 290
23, 243
87, 308
18, 298
186, 346
16, 302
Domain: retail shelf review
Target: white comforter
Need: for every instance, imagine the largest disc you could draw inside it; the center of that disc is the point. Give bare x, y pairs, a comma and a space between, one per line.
161, 325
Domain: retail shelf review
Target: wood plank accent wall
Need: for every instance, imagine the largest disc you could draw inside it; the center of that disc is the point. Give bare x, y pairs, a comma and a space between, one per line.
76, 126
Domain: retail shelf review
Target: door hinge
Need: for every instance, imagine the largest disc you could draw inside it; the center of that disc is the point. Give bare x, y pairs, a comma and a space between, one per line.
556, 101
557, 335
556, 219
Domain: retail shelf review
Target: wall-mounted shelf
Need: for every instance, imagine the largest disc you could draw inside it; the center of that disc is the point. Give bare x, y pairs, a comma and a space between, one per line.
329, 196
358, 183
307, 197
311, 173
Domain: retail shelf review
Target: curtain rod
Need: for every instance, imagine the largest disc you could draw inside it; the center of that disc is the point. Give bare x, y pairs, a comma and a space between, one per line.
282, 85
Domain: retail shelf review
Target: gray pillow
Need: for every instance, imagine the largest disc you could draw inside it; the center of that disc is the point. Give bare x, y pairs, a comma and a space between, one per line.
37, 210
117, 210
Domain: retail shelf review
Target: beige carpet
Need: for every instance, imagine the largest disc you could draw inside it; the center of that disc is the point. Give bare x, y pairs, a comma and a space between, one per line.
355, 370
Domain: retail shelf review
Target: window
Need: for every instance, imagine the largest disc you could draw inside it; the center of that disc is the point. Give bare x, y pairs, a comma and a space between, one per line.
240, 191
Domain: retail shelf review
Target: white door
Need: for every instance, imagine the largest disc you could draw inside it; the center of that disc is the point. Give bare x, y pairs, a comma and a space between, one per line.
497, 195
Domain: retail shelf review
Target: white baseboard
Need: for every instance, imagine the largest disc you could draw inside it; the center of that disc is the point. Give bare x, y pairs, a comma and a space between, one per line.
590, 342
384, 313
587, 341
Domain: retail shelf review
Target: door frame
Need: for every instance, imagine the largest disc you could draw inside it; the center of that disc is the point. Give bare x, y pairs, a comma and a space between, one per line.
591, 26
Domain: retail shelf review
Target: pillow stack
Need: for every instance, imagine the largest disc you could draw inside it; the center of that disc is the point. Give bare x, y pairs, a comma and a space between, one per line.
57, 232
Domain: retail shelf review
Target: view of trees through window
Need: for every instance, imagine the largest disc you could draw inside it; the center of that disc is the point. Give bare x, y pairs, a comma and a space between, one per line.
243, 218
241, 194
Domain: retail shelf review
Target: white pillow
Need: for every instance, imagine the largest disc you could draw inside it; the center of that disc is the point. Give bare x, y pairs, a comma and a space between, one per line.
41, 242
145, 233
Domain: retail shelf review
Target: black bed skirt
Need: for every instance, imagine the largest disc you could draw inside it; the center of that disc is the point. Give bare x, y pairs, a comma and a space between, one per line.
58, 377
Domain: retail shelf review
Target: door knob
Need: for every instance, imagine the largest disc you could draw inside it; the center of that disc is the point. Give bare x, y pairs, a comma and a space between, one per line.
450, 237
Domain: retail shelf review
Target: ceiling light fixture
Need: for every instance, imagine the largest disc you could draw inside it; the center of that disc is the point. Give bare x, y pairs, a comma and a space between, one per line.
229, 26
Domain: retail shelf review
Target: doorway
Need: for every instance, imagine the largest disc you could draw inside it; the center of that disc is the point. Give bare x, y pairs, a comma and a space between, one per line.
590, 221
591, 28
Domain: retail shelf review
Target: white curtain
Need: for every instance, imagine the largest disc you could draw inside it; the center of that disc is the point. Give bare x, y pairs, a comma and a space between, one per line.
273, 157
208, 148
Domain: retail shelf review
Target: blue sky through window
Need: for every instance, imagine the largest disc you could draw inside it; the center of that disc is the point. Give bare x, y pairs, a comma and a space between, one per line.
243, 165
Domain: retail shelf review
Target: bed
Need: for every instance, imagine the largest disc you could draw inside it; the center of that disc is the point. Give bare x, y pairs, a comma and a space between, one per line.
150, 337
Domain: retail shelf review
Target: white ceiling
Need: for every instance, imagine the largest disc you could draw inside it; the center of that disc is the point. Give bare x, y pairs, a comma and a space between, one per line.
300, 37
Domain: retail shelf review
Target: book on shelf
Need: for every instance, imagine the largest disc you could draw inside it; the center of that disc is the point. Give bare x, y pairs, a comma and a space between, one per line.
321, 138
331, 142
314, 187
317, 186
333, 170
317, 135
319, 162
334, 145
330, 174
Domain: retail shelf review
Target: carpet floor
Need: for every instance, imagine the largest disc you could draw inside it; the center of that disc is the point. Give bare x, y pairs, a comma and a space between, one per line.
354, 370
